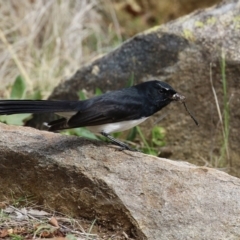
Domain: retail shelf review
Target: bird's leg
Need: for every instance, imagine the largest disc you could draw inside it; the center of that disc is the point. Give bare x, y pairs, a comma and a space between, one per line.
123, 146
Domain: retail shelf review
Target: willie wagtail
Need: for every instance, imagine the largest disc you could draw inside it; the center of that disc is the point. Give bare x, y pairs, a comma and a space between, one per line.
111, 112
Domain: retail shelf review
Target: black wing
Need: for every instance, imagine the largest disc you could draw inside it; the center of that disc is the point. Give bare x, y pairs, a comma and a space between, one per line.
112, 107
108, 109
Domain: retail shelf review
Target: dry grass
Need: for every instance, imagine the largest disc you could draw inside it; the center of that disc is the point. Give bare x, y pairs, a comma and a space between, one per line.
34, 222
47, 41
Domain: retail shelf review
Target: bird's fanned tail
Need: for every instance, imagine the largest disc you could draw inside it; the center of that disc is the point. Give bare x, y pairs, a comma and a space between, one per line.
8, 107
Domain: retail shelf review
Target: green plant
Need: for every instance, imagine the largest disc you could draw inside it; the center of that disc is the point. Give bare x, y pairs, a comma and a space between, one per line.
3, 216
82, 132
226, 113
18, 91
44, 229
224, 118
21, 201
157, 140
91, 228
16, 237
71, 237
151, 146
130, 81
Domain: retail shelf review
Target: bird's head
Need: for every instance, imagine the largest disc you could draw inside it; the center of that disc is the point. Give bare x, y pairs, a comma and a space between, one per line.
163, 94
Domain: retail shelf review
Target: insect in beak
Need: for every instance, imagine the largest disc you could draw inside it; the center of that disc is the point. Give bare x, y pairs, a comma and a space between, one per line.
180, 98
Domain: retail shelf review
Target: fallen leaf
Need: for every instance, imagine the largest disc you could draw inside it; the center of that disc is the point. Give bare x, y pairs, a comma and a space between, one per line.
10, 231
3, 233
3, 205
53, 221
37, 213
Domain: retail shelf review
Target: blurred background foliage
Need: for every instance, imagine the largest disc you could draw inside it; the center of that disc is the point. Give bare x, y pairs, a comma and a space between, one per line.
46, 41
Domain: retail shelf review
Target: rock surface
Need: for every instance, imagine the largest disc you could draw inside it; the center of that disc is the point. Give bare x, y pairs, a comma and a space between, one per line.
151, 197
181, 52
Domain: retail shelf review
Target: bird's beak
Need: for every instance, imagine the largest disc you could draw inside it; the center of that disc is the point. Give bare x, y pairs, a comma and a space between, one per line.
181, 98
178, 97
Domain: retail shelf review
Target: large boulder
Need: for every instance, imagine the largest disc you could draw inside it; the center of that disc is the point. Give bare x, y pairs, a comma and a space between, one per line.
147, 197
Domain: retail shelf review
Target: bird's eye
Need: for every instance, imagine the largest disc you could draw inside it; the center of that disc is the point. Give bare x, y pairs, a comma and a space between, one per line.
161, 90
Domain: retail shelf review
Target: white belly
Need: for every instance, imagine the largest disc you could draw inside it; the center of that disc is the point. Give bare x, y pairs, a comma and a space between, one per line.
116, 127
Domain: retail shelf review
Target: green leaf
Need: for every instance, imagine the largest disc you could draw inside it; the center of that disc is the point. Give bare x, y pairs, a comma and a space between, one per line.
132, 134
158, 135
98, 91
130, 81
3, 118
83, 132
36, 95
82, 95
70, 237
116, 134
146, 145
18, 88
150, 151
15, 119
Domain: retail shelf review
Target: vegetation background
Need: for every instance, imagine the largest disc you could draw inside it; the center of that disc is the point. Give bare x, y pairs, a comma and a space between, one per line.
47, 41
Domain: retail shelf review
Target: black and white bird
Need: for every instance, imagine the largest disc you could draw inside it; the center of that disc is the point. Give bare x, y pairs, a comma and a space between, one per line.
111, 112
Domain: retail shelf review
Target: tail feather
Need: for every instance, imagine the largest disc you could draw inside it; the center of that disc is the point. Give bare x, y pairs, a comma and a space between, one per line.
8, 107
59, 124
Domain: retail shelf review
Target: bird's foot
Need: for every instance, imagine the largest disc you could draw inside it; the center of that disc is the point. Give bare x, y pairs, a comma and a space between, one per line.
126, 147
